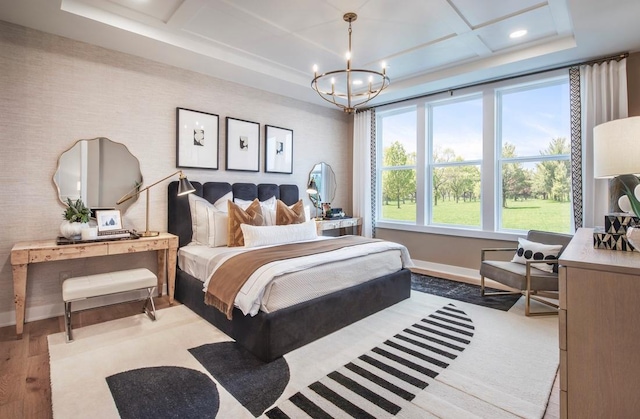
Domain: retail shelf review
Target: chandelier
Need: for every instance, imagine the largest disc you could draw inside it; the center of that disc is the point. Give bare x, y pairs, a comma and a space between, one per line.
350, 88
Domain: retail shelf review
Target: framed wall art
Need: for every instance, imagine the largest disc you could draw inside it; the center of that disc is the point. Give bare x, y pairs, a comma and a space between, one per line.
197, 139
243, 145
278, 150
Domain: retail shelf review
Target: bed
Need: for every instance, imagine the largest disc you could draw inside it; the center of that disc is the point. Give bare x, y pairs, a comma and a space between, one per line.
269, 335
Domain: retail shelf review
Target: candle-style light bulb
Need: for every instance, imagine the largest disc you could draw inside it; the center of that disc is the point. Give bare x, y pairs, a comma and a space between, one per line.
315, 70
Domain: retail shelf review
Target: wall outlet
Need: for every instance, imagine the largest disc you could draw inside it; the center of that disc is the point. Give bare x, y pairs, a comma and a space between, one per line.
64, 275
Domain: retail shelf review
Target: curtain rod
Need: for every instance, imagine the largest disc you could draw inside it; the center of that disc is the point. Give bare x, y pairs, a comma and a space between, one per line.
616, 57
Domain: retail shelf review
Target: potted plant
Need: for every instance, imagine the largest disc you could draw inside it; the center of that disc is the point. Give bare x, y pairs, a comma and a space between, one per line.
76, 217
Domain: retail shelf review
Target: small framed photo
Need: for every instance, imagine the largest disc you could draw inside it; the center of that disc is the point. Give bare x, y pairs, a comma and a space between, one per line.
108, 220
243, 145
197, 139
279, 150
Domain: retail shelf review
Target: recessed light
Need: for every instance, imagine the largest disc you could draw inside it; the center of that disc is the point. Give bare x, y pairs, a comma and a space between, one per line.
518, 34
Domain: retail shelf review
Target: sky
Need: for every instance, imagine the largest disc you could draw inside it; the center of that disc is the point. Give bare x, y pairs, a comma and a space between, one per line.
530, 120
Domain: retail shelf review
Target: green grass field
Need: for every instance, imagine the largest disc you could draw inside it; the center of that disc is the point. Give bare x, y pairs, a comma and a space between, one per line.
534, 214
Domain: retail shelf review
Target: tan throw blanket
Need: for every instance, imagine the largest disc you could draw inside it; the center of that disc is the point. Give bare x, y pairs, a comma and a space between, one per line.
229, 278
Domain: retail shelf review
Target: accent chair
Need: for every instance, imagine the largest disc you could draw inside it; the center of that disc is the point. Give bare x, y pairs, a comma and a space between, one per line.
529, 272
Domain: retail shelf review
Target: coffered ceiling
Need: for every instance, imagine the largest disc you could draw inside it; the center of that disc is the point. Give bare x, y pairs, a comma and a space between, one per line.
428, 45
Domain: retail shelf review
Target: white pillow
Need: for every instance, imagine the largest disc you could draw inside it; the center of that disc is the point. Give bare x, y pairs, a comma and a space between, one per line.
267, 235
221, 204
208, 222
268, 208
307, 212
528, 250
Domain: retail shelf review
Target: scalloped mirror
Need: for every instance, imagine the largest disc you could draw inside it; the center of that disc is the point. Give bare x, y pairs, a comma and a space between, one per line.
325, 180
98, 171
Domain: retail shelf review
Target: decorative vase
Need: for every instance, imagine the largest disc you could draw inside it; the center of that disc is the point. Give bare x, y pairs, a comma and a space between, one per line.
633, 237
71, 230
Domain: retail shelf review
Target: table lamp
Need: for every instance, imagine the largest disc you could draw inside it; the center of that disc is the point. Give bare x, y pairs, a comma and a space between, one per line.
184, 187
312, 189
616, 156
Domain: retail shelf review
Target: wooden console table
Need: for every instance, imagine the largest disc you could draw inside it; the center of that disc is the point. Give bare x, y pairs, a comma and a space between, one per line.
24, 253
599, 334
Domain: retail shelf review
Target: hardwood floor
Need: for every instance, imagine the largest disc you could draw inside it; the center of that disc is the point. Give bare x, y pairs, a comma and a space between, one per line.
25, 390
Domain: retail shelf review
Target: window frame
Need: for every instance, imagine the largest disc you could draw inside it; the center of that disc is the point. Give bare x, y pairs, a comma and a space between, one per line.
490, 164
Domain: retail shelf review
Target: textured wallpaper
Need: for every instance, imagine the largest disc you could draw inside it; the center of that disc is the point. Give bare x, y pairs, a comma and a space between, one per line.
55, 91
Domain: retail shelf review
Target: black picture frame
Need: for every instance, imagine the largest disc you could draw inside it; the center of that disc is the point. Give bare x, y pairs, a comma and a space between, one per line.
242, 151
197, 139
278, 146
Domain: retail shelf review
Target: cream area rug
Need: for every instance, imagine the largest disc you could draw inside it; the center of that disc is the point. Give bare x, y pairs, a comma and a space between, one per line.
427, 356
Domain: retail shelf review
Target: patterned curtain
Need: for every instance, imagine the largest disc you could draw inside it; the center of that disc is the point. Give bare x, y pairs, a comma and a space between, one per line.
603, 97
364, 170
374, 171
576, 146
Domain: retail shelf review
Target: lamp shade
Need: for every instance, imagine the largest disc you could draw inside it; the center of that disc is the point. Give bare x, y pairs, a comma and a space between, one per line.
616, 148
185, 187
311, 187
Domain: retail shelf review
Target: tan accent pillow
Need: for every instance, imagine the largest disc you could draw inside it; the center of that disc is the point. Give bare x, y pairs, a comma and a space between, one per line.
289, 215
237, 216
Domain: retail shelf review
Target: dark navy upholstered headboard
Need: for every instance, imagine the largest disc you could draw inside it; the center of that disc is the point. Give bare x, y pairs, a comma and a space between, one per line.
179, 215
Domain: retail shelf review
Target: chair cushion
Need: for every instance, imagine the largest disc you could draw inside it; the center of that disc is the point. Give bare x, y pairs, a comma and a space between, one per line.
513, 274
88, 286
530, 250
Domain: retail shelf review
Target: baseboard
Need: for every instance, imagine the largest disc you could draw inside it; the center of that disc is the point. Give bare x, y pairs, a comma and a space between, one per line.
454, 273
47, 311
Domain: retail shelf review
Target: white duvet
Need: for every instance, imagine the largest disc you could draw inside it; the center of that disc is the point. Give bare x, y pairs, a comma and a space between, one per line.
250, 296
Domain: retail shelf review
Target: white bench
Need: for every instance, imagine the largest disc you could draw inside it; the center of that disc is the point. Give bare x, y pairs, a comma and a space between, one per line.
89, 286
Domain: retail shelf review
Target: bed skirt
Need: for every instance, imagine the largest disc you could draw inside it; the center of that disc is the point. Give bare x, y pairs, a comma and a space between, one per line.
270, 335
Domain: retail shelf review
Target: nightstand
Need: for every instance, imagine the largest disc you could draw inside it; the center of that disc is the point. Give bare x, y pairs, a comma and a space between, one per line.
340, 224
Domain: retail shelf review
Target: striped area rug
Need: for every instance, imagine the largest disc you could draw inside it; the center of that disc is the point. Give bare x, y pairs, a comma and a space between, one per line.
384, 381
425, 357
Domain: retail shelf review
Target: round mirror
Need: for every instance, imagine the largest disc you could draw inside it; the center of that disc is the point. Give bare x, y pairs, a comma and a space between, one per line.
325, 183
98, 171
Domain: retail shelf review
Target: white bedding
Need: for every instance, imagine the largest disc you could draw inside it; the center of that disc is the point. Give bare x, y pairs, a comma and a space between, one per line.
290, 281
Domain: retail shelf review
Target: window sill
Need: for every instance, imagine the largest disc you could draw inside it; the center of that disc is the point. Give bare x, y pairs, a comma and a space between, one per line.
452, 231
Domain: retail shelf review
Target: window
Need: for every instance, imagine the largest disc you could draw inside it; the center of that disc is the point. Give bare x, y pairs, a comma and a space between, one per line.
456, 157
398, 165
493, 159
533, 162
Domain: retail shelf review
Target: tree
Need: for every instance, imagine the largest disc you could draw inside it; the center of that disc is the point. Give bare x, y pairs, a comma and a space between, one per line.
553, 176
397, 184
438, 174
515, 181
461, 179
